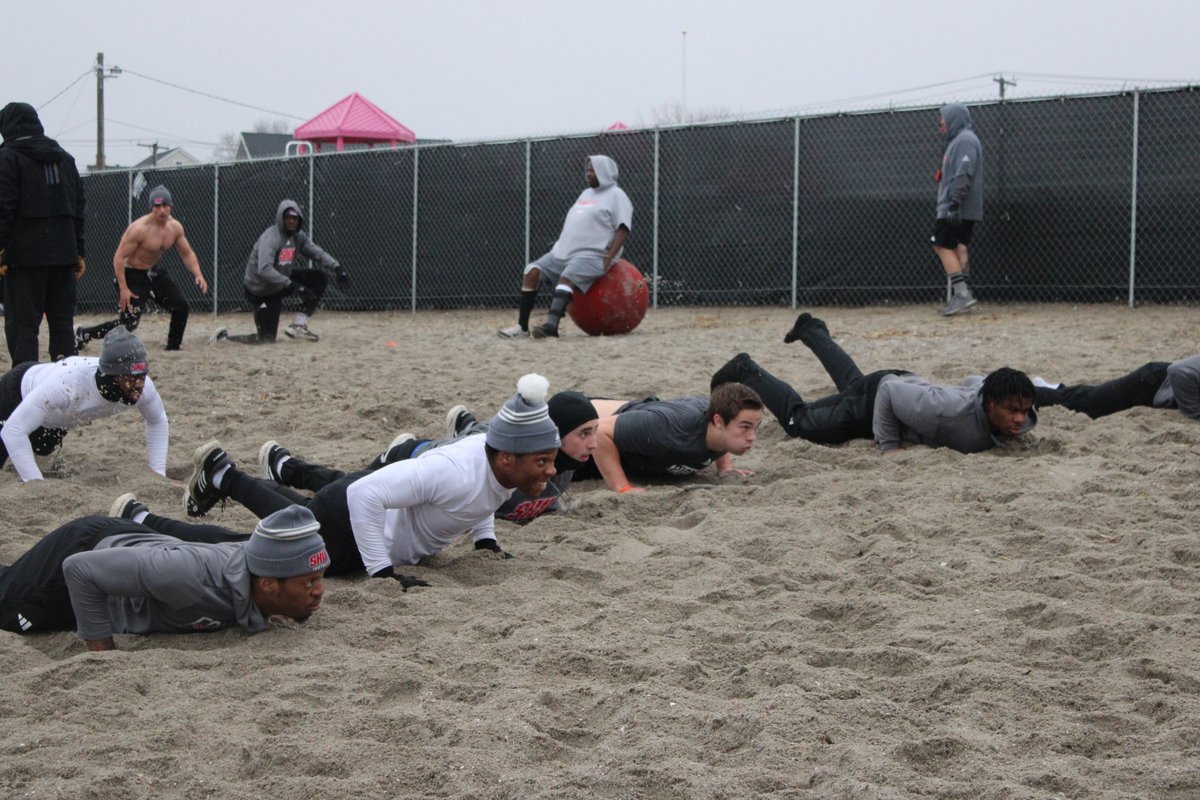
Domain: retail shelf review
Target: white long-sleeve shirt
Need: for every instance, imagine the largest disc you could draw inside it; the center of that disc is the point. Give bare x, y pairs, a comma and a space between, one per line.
63, 394
415, 508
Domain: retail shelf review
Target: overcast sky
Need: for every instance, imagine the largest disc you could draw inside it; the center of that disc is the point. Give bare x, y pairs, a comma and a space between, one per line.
470, 70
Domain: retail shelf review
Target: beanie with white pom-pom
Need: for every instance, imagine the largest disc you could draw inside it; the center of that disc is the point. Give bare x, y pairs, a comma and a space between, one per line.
523, 424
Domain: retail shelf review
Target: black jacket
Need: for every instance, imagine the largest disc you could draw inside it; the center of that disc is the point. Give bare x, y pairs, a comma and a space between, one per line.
41, 195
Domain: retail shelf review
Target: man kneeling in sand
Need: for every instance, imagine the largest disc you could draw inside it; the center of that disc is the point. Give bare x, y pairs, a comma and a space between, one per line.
891, 406
377, 520
107, 575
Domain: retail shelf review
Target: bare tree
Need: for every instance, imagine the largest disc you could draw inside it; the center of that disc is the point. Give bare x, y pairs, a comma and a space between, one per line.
227, 144
675, 113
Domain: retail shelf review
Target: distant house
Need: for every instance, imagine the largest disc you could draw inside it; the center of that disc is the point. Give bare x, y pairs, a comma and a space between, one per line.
261, 145
171, 157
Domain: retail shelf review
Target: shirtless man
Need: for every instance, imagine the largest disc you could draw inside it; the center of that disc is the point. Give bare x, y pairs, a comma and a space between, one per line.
139, 276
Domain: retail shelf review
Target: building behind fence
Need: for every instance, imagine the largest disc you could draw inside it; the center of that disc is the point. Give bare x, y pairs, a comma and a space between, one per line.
1087, 198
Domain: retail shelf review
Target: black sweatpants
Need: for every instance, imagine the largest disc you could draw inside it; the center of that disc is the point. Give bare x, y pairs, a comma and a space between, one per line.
834, 419
1138, 388
33, 591
263, 497
30, 293
267, 308
148, 284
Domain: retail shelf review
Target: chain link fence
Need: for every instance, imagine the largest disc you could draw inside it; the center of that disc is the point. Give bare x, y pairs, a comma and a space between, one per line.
1084, 199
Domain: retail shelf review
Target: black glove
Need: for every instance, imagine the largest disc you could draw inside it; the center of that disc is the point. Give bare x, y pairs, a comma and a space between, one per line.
954, 214
301, 291
341, 278
494, 546
406, 581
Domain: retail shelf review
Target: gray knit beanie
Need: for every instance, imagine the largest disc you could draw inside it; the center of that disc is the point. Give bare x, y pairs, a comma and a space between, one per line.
122, 354
286, 544
523, 424
160, 196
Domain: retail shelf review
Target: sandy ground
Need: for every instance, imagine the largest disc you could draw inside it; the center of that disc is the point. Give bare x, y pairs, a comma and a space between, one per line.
1016, 624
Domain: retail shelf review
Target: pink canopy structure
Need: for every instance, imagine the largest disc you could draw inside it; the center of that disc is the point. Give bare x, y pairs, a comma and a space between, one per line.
354, 120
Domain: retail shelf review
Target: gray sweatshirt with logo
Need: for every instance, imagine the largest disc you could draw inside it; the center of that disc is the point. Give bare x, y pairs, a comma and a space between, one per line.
962, 166
145, 582
269, 267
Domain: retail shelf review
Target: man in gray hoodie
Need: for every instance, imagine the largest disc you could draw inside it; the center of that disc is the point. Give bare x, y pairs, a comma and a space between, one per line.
271, 275
959, 203
890, 406
108, 575
592, 237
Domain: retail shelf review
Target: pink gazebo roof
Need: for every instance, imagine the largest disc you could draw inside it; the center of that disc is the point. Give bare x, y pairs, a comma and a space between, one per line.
354, 118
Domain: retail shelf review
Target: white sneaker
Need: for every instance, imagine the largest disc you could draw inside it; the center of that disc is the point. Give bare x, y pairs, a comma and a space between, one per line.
1042, 383
400, 439
295, 331
221, 335
513, 332
270, 456
457, 418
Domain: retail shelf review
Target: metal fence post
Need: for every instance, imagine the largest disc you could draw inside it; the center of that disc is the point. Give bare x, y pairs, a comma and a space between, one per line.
1133, 200
216, 282
795, 210
416, 206
312, 212
129, 199
528, 194
654, 257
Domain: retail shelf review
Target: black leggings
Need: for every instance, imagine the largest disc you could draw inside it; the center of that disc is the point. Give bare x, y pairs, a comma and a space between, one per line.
1138, 388
263, 497
148, 284
33, 591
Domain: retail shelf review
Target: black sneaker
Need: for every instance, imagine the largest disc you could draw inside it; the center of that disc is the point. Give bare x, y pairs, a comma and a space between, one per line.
457, 420
733, 370
544, 331
81, 338
270, 456
393, 454
200, 495
126, 506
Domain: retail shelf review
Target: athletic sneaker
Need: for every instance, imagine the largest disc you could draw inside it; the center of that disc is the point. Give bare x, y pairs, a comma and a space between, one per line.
221, 335
957, 305
270, 457
200, 495
513, 332
126, 506
1042, 383
544, 331
81, 338
457, 419
295, 331
389, 455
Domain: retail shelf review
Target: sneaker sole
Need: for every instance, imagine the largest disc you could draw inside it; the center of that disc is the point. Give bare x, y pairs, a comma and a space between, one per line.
264, 460
452, 418
507, 335
119, 504
308, 337
220, 336
198, 458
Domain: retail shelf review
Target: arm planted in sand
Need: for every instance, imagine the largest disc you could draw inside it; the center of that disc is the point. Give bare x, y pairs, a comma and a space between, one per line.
608, 459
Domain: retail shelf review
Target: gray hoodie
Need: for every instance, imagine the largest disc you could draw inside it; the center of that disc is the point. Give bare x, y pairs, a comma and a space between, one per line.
1181, 389
962, 166
591, 223
146, 582
911, 409
269, 267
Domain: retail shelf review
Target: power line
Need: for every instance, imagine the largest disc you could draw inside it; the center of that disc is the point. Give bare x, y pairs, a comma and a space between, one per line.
212, 96
69, 85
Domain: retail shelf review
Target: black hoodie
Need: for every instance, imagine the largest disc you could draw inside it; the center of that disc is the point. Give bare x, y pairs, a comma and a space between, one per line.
41, 195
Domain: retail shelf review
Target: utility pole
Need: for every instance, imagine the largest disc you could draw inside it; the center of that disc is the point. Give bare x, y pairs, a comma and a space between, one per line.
153, 152
1003, 82
100, 77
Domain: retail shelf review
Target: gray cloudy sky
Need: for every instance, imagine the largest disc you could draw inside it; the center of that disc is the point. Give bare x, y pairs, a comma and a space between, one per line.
470, 69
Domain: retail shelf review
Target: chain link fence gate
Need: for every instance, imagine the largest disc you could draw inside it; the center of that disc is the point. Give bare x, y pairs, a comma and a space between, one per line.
1087, 199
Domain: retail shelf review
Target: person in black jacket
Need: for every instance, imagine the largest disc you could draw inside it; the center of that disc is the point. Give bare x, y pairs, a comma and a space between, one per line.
41, 235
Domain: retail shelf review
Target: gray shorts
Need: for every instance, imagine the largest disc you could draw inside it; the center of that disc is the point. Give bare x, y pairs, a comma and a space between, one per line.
581, 271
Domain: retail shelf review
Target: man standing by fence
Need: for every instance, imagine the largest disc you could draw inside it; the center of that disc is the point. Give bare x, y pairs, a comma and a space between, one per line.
959, 203
41, 235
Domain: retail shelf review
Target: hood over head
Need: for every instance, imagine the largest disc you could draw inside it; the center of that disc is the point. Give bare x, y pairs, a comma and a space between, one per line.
284, 207
957, 117
605, 169
23, 132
